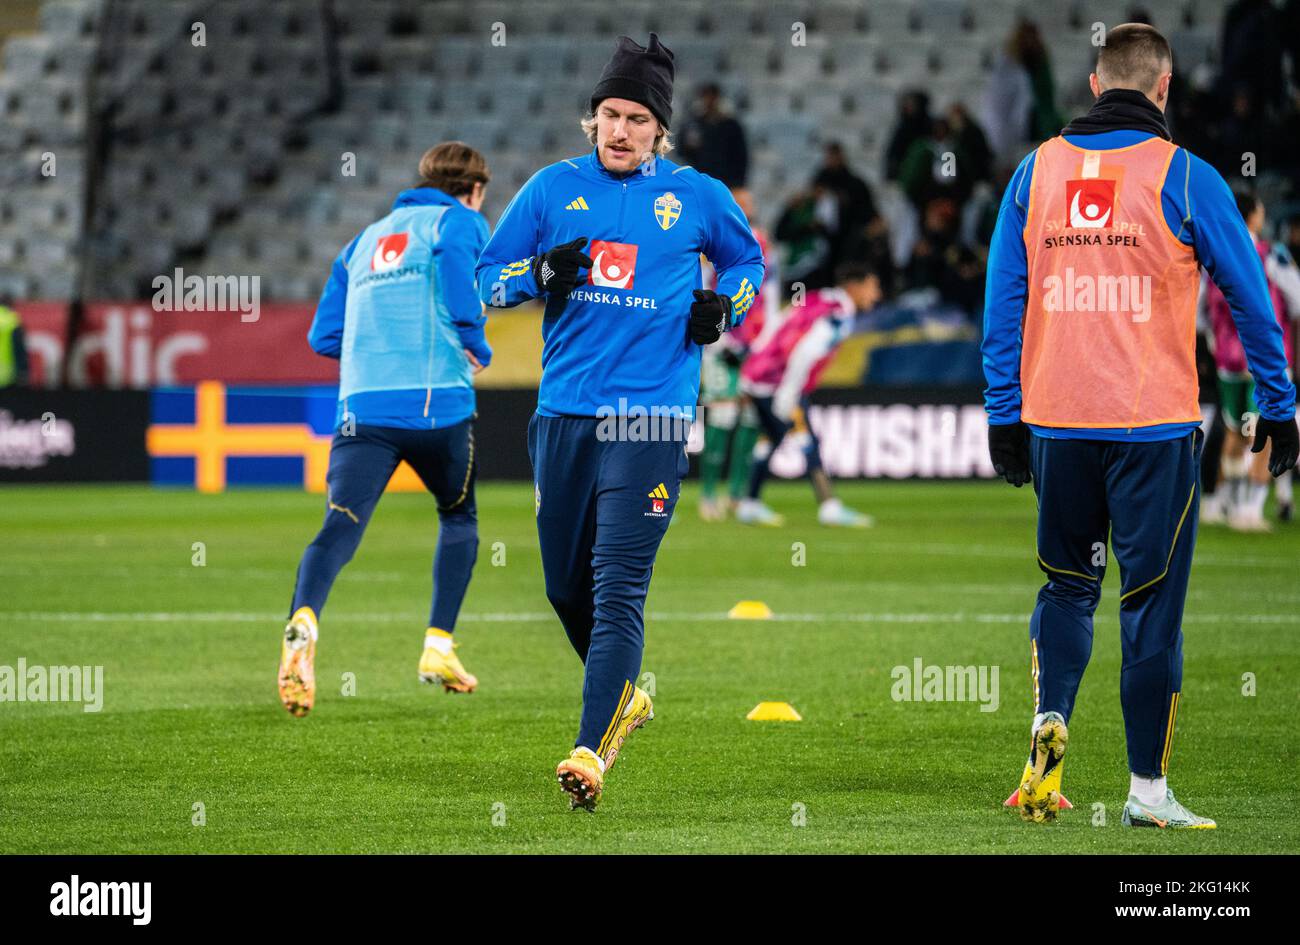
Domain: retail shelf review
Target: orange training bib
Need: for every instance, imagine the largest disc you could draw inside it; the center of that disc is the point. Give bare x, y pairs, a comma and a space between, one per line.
1110, 313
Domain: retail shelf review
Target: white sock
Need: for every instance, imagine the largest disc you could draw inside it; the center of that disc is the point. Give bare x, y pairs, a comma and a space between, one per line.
831, 506
1148, 791
438, 641
1282, 487
1256, 495
1237, 493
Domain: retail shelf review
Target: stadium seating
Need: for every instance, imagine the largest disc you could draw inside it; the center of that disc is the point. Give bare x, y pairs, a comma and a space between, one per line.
250, 113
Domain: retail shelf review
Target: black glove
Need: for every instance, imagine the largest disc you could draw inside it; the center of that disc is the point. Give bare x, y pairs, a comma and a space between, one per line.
1009, 450
1286, 443
710, 316
556, 271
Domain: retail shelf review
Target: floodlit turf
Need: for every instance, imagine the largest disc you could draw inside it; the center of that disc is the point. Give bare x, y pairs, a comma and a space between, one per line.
104, 576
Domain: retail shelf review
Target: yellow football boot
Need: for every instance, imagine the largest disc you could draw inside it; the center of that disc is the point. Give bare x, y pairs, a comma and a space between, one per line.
1040, 786
298, 663
445, 668
639, 711
582, 775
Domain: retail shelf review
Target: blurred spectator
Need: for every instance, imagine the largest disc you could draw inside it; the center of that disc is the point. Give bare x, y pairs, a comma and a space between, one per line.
947, 162
941, 261
1045, 119
1282, 155
1291, 236
1243, 130
939, 234
1252, 51
963, 281
981, 213
1290, 14
972, 145
713, 141
1193, 111
802, 230
1020, 99
13, 347
854, 204
913, 122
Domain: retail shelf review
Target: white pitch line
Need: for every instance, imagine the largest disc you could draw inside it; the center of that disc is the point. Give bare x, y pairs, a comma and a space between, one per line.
913, 617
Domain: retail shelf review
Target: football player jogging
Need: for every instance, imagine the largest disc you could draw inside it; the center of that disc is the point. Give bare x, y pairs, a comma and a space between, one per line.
780, 378
1246, 477
612, 241
402, 315
1089, 353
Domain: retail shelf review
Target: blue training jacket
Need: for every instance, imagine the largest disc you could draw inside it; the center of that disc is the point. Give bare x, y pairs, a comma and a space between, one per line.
1200, 210
399, 312
619, 341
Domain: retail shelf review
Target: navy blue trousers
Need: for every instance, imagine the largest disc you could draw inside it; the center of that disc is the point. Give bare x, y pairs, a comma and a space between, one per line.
1143, 498
359, 470
603, 507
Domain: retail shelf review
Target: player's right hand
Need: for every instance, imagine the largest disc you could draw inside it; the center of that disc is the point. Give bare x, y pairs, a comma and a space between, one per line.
556, 271
1009, 450
1286, 443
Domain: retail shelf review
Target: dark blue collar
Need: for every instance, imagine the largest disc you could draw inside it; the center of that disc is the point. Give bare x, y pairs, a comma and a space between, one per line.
423, 197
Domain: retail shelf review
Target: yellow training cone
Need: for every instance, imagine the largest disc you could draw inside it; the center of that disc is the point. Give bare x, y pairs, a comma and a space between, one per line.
750, 610
774, 712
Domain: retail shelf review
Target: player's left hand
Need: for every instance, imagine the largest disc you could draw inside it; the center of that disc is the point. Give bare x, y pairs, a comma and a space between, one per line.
710, 316
1009, 450
475, 365
1286, 443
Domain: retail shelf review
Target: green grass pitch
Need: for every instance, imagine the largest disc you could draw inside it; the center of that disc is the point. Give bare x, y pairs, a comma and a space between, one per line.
104, 576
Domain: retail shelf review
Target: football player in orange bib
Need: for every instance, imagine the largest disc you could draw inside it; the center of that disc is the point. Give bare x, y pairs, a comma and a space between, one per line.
1089, 353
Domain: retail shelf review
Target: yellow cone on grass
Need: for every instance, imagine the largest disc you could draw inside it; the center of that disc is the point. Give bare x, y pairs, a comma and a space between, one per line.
774, 712
750, 610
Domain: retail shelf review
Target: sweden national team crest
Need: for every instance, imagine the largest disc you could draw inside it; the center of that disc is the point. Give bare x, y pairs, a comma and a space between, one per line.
668, 209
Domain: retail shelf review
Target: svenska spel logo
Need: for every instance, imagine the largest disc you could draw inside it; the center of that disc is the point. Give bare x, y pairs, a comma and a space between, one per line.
612, 264
1089, 203
389, 252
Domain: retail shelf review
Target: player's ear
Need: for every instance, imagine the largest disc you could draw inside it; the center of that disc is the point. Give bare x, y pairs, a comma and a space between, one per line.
1094, 83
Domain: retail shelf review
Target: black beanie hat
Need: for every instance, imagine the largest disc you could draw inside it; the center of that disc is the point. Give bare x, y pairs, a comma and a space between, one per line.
639, 74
